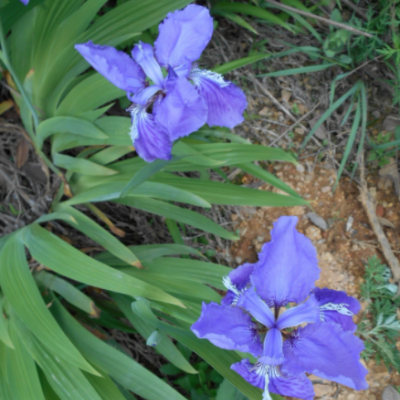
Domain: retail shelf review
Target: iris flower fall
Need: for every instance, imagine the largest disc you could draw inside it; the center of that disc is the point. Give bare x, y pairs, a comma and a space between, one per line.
258, 315
171, 96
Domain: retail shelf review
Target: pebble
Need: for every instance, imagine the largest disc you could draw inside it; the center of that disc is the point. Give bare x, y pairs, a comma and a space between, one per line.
385, 183
380, 211
323, 390
296, 211
286, 95
390, 123
317, 220
376, 114
308, 178
349, 223
300, 168
265, 112
325, 189
313, 233
300, 131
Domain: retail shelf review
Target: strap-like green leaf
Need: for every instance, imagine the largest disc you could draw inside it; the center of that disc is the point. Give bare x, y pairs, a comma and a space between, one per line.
21, 291
119, 366
90, 228
68, 291
22, 375
183, 215
46, 249
149, 252
226, 193
73, 125
66, 380
81, 165
165, 346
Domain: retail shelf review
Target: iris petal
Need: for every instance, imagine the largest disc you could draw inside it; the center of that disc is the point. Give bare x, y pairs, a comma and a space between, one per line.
144, 55
337, 306
306, 312
227, 327
114, 65
249, 372
289, 261
272, 349
226, 102
182, 111
251, 302
144, 95
299, 387
258, 375
236, 282
184, 34
325, 350
151, 141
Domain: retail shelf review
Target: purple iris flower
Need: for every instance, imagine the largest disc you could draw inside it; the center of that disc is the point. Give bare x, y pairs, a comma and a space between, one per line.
24, 2
258, 315
178, 97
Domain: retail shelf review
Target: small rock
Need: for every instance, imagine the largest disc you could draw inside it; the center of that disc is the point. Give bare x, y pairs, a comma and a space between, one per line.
264, 112
308, 178
390, 393
35, 172
349, 223
390, 123
296, 211
286, 95
376, 114
300, 168
379, 211
260, 239
313, 233
321, 132
317, 220
323, 390
299, 131
325, 189
238, 260
328, 257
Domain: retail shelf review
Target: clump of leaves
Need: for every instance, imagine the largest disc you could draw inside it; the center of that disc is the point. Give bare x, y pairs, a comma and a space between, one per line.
380, 154
380, 326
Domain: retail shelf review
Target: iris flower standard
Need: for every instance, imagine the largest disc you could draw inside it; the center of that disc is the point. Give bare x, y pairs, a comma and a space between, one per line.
258, 316
167, 107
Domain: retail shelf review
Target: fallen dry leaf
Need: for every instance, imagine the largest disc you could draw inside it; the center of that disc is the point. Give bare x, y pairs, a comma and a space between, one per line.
22, 153
386, 222
6, 105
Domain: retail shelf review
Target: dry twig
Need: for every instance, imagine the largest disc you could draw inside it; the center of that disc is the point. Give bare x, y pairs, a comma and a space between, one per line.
369, 206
